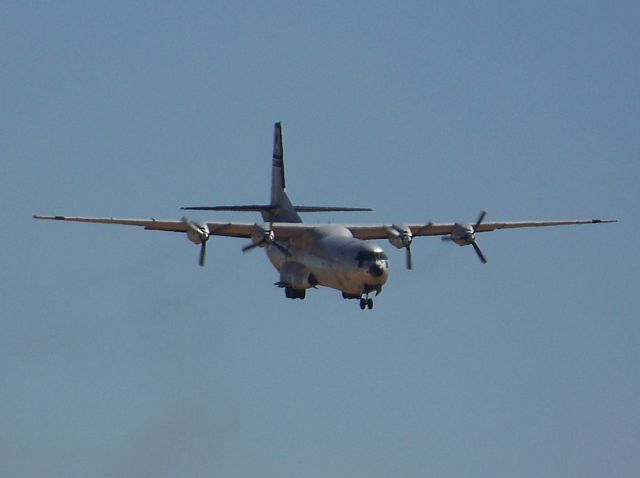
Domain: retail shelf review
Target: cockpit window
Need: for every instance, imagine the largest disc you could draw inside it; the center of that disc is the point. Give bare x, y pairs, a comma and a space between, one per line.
371, 256
365, 256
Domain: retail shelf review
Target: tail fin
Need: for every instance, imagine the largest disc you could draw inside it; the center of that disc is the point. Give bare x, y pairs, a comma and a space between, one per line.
283, 211
278, 183
280, 209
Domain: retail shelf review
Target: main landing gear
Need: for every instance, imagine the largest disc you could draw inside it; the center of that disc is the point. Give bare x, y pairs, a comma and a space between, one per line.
366, 303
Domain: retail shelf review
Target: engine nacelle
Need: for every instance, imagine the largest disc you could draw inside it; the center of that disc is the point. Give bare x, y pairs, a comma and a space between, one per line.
297, 276
399, 236
463, 234
262, 237
197, 233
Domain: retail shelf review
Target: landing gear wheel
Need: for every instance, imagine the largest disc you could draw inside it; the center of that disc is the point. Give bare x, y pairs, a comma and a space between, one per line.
292, 293
366, 303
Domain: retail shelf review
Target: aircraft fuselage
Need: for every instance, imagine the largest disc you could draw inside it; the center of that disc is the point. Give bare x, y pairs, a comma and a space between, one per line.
330, 256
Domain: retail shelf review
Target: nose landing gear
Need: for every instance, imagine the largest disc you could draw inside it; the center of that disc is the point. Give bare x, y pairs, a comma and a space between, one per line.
292, 293
365, 302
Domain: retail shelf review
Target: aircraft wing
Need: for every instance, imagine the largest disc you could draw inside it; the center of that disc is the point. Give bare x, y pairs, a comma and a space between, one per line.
286, 231
381, 231
283, 231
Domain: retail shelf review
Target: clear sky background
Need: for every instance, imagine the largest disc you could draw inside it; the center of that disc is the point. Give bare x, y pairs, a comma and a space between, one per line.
121, 357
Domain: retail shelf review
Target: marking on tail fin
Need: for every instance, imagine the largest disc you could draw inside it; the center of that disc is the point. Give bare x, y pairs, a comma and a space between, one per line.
278, 152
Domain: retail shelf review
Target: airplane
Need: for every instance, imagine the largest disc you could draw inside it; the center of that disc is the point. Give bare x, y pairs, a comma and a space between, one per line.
337, 256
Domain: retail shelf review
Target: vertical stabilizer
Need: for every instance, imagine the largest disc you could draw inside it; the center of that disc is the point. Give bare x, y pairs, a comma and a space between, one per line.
280, 208
277, 171
285, 211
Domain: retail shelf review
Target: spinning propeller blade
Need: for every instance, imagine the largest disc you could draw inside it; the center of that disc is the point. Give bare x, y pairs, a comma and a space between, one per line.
409, 258
266, 240
249, 247
481, 256
198, 234
465, 235
480, 219
400, 236
203, 253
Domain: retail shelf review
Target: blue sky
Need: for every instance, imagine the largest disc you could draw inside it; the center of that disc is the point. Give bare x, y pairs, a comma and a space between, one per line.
121, 357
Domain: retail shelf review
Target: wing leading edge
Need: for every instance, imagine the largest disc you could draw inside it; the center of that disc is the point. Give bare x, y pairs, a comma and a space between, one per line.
381, 231
285, 231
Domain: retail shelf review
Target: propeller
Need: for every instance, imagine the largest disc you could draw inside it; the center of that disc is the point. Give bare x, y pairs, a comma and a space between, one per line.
481, 256
480, 219
400, 236
465, 235
262, 237
198, 234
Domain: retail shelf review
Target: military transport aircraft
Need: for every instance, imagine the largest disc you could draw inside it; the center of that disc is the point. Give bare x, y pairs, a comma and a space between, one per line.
310, 255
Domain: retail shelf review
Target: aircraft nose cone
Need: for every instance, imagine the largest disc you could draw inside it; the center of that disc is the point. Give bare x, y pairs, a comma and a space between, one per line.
375, 270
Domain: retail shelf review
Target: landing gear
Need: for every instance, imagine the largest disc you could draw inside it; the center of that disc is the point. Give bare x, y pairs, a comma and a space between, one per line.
292, 293
366, 303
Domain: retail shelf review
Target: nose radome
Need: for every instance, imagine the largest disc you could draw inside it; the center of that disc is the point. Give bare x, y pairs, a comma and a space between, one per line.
375, 270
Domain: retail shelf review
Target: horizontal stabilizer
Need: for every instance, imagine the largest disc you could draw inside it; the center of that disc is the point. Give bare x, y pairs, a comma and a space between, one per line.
330, 209
268, 207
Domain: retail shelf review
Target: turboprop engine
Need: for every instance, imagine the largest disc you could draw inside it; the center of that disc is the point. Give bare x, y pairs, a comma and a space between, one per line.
400, 236
263, 237
465, 235
198, 233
